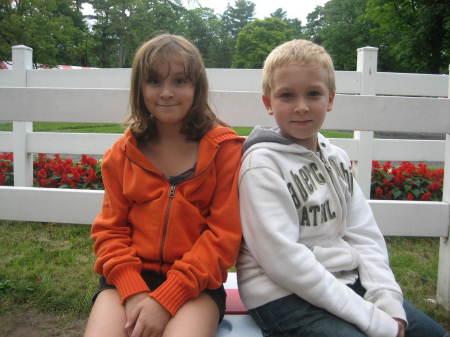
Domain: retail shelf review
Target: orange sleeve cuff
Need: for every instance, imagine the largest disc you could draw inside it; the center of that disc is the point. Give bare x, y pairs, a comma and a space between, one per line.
172, 294
128, 282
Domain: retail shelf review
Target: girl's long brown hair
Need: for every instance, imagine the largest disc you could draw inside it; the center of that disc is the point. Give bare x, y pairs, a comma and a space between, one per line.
200, 118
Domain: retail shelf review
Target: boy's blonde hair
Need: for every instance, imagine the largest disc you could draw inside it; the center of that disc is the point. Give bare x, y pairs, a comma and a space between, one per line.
146, 60
302, 52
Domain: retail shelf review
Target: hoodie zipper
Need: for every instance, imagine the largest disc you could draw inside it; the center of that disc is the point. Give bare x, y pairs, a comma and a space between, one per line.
166, 224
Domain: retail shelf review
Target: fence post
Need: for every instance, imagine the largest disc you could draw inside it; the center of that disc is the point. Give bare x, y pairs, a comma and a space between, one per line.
22, 58
443, 282
367, 65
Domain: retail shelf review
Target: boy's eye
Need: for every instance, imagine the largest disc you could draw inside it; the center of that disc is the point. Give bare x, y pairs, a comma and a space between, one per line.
286, 95
314, 93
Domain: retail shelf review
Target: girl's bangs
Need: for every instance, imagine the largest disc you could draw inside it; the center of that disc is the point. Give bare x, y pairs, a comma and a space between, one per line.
152, 62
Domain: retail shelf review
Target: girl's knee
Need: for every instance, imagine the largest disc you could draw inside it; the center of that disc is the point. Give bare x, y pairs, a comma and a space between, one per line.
107, 317
198, 317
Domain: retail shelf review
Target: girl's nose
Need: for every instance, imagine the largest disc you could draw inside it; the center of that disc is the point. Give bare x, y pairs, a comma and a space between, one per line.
166, 91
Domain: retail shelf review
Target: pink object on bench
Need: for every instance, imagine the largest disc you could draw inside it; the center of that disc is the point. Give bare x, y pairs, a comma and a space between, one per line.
234, 305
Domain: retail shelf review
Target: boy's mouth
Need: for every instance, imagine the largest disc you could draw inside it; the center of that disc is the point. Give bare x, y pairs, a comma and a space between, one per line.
302, 122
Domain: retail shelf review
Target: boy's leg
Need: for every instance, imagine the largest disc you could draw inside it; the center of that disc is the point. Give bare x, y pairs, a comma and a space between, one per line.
107, 317
198, 317
291, 316
420, 324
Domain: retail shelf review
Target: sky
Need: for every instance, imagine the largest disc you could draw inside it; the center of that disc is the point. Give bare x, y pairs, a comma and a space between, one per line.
295, 8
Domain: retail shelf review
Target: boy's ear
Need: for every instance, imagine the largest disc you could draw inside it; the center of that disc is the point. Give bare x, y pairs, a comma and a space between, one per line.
331, 101
267, 104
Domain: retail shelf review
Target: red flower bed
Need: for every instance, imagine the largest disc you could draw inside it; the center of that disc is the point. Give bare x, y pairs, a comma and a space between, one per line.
406, 182
57, 172
6, 169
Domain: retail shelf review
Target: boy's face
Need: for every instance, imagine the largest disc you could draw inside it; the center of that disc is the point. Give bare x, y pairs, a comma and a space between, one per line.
299, 100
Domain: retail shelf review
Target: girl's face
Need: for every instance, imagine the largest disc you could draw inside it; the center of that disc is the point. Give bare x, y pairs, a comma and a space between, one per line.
168, 94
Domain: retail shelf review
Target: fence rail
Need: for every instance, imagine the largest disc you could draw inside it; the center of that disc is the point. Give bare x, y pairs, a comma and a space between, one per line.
366, 101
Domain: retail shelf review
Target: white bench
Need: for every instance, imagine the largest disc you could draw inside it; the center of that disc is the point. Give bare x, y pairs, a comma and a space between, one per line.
367, 101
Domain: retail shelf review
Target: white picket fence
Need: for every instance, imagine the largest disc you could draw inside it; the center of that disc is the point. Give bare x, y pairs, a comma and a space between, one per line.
367, 101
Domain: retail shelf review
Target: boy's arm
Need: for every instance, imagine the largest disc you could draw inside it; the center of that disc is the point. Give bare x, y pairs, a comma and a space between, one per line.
271, 231
375, 273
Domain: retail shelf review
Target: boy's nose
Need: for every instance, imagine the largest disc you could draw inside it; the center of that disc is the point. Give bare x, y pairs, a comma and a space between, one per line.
301, 105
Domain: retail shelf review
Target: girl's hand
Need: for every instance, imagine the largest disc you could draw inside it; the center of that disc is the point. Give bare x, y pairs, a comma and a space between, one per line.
401, 327
145, 316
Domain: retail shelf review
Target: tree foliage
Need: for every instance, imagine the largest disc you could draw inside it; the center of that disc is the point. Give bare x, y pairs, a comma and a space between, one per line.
53, 28
412, 35
257, 39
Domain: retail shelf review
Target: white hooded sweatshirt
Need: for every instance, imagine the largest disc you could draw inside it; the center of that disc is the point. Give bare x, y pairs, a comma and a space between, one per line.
309, 231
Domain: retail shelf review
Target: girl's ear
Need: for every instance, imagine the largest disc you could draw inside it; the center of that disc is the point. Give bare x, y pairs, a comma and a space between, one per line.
267, 104
331, 97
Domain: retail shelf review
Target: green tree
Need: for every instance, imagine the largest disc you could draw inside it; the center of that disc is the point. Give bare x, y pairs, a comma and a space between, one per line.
295, 24
341, 27
234, 19
203, 28
53, 28
257, 39
415, 33
122, 25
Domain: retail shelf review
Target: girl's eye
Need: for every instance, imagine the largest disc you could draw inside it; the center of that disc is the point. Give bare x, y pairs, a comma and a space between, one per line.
152, 81
181, 80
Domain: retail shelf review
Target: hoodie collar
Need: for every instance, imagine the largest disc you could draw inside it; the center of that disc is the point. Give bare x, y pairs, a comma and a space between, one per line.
207, 150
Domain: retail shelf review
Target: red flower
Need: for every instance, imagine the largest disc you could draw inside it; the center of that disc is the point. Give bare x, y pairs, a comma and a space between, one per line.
379, 192
409, 196
426, 196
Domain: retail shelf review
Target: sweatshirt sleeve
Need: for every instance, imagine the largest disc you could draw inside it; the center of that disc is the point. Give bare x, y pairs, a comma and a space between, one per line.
216, 249
271, 231
375, 273
116, 259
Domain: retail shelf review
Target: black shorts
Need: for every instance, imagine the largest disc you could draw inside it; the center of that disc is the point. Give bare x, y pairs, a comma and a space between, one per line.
154, 280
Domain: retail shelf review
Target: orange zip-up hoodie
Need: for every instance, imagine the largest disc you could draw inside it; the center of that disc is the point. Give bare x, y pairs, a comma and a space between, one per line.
191, 231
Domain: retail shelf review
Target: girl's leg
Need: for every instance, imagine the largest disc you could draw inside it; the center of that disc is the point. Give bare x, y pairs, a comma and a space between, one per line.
196, 318
107, 318
420, 324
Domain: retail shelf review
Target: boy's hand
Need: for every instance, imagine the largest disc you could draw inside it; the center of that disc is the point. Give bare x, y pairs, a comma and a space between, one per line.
401, 327
145, 317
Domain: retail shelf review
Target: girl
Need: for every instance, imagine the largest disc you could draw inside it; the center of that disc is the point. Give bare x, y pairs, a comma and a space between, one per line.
169, 227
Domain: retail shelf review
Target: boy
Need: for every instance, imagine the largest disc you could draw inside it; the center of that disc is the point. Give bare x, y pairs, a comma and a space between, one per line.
314, 262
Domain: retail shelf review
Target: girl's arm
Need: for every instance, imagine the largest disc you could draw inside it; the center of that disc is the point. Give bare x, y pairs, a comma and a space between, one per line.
116, 260
206, 264
271, 231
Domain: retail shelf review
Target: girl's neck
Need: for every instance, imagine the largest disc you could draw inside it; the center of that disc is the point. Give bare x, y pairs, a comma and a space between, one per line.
170, 134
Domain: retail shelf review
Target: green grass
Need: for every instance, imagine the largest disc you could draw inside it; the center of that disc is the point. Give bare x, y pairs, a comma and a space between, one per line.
70, 127
117, 128
49, 267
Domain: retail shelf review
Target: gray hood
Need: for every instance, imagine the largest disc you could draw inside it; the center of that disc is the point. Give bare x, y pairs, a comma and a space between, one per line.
260, 135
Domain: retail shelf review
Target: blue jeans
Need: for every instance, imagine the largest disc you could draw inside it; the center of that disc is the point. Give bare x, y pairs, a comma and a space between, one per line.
291, 316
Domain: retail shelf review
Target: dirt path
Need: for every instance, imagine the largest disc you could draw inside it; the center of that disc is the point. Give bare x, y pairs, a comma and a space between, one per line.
26, 322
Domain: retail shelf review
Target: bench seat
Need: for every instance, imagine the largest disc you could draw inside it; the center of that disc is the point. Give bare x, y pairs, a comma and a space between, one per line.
237, 322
